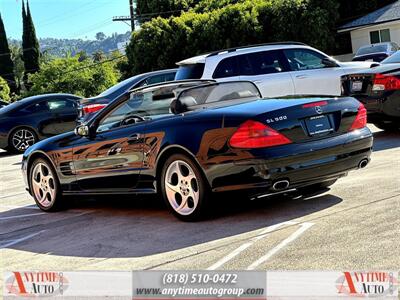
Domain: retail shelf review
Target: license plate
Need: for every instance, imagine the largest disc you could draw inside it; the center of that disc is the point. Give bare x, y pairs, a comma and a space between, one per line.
356, 86
318, 125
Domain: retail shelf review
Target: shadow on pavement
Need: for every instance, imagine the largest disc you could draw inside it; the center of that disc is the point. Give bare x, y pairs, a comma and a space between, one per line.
384, 140
116, 227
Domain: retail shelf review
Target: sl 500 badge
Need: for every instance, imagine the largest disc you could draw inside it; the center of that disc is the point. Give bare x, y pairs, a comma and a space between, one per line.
276, 119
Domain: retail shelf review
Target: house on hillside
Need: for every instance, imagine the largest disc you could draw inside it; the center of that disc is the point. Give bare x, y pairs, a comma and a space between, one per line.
382, 25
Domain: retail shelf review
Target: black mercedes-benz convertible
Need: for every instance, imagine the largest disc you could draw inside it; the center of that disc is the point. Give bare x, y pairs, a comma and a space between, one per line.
188, 139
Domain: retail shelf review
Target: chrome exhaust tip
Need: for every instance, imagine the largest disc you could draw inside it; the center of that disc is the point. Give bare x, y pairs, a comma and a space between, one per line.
363, 163
280, 185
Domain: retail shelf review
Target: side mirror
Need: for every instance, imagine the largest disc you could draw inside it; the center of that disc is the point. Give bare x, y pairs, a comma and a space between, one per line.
328, 62
82, 130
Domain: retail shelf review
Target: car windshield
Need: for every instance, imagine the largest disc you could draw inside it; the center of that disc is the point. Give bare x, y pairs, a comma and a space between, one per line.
218, 92
393, 59
147, 102
372, 49
124, 85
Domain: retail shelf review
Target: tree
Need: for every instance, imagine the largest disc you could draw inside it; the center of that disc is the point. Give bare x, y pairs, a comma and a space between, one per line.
16, 56
69, 75
30, 44
4, 90
6, 63
100, 36
149, 9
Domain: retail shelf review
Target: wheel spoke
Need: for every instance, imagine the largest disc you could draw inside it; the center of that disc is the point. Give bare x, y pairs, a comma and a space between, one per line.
173, 188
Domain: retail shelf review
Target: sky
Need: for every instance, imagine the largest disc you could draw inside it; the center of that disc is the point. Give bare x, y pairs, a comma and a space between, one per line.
66, 18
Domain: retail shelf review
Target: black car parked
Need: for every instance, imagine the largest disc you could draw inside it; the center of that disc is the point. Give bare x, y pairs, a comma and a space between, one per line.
89, 106
378, 89
29, 120
188, 139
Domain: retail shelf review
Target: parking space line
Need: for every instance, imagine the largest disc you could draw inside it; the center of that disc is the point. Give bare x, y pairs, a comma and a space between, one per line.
33, 206
304, 227
14, 242
243, 247
22, 216
9, 196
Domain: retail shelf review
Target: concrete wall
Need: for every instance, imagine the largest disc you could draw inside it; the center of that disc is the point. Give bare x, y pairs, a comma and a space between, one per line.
360, 37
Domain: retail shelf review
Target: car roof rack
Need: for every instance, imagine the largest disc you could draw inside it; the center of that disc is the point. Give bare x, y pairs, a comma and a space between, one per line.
253, 46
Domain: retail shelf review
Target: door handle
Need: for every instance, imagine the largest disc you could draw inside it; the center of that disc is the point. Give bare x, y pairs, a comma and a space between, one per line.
134, 137
303, 76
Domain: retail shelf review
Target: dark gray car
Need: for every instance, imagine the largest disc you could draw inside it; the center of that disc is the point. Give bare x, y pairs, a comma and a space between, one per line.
90, 106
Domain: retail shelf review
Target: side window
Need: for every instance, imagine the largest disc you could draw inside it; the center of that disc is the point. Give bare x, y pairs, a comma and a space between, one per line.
304, 59
259, 63
155, 79
61, 105
170, 77
227, 67
139, 105
37, 107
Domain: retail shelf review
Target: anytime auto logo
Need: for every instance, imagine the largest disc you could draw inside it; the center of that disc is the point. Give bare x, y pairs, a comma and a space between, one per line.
36, 284
367, 284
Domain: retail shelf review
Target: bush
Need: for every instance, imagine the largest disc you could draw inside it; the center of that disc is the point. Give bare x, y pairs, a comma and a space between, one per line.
69, 75
215, 24
4, 90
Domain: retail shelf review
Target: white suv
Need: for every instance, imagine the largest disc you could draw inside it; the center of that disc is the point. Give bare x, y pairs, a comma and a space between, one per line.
278, 69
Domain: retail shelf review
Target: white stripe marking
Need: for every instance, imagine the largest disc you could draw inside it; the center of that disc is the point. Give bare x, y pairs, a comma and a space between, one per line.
14, 242
22, 216
20, 207
284, 243
243, 247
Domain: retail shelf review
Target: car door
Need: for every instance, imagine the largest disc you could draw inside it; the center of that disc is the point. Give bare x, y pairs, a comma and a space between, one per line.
310, 75
111, 161
65, 111
269, 71
40, 117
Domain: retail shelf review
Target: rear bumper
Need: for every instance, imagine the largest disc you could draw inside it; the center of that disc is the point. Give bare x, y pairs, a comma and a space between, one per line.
381, 108
300, 164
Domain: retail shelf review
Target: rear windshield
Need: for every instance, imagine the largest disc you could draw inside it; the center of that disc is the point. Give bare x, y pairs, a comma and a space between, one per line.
193, 71
394, 59
372, 49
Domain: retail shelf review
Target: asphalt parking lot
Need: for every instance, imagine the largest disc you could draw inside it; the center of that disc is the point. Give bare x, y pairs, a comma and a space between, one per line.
353, 226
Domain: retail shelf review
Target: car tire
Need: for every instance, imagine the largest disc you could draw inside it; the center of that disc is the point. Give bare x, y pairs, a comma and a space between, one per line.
21, 139
45, 186
184, 188
387, 126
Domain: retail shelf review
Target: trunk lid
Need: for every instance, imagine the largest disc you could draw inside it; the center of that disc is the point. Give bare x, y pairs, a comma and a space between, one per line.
303, 119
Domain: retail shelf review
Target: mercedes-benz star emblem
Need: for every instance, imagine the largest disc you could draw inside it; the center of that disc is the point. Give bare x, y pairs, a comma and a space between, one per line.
318, 109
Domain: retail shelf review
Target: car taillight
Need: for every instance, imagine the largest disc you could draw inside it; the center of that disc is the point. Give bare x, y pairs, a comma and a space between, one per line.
361, 118
92, 108
385, 83
253, 134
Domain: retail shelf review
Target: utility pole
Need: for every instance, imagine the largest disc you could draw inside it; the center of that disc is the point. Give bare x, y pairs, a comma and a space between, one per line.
132, 9
131, 18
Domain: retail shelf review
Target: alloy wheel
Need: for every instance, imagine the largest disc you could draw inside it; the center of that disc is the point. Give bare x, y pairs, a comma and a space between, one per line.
182, 187
43, 185
22, 139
